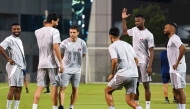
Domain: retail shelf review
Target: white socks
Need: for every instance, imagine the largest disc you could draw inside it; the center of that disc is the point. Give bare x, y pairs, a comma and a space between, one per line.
55, 107
34, 106
181, 106
16, 105
138, 107
71, 107
147, 104
111, 107
9, 102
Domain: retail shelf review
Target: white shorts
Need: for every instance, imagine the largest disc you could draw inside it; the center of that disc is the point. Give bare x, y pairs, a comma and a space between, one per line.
118, 82
178, 80
16, 78
143, 75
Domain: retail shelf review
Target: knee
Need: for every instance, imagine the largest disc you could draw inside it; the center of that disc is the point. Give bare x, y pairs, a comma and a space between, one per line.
75, 90
146, 87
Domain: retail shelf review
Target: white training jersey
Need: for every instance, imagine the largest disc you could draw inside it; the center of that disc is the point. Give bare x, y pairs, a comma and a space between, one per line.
46, 37
142, 41
125, 54
72, 52
173, 53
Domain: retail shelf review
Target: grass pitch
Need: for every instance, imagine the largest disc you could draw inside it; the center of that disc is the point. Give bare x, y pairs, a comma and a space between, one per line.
91, 96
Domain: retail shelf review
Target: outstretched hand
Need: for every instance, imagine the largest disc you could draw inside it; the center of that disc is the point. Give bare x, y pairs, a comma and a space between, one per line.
124, 14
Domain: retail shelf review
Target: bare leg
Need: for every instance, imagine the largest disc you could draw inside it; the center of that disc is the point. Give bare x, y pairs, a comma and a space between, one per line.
137, 92
147, 91
62, 95
17, 93
54, 95
181, 96
74, 95
130, 100
108, 96
11, 93
37, 94
165, 90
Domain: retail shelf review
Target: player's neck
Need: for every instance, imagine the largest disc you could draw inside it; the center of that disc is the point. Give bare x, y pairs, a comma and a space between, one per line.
171, 34
142, 28
73, 39
48, 25
116, 39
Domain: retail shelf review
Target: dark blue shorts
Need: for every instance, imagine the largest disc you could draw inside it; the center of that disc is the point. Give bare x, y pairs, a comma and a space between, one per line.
165, 79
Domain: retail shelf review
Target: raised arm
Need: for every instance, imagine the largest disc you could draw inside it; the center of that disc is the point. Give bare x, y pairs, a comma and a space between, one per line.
124, 17
58, 55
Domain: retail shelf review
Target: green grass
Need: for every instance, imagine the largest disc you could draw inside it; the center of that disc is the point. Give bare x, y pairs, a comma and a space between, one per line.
91, 96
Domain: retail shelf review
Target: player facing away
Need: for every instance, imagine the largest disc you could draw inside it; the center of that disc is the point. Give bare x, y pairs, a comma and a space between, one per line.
165, 73
48, 39
143, 45
176, 59
124, 71
15, 66
73, 49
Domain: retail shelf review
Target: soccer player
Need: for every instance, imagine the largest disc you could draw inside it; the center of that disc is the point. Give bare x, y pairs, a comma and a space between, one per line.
48, 39
25, 81
176, 59
165, 73
15, 66
73, 49
123, 70
143, 45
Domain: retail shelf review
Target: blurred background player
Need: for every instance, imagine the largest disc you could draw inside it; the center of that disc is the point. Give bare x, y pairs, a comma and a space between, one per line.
50, 63
123, 70
25, 81
143, 45
15, 66
176, 59
165, 73
73, 49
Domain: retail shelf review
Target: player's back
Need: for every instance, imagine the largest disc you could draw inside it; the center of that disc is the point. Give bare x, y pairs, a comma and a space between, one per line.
45, 40
164, 64
125, 55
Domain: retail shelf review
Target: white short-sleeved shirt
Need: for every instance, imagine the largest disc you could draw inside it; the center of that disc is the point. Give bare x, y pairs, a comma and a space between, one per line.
72, 52
125, 55
46, 37
173, 53
142, 41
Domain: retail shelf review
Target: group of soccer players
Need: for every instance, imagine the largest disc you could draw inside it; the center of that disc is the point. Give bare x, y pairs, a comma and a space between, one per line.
60, 62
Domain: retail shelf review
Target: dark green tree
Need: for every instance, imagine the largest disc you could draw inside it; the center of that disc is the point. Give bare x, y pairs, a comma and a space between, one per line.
155, 19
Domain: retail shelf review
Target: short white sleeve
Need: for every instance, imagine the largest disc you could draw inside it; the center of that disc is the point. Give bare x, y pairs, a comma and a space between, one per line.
150, 41
6, 43
112, 51
130, 32
62, 47
84, 48
177, 42
56, 36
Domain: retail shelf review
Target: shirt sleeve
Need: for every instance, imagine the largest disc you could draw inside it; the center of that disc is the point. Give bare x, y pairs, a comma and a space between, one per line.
84, 48
62, 47
130, 32
150, 41
177, 42
56, 36
6, 43
112, 51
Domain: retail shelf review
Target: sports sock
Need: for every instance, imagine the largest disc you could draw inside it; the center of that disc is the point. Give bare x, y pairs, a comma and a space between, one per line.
16, 105
138, 107
55, 107
34, 106
9, 102
71, 107
147, 104
178, 106
183, 106
111, 107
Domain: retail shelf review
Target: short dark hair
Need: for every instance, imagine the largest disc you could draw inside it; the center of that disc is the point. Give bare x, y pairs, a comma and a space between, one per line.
75, 27
52, 16
172, 24
15, 24
139, 15
114, 31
